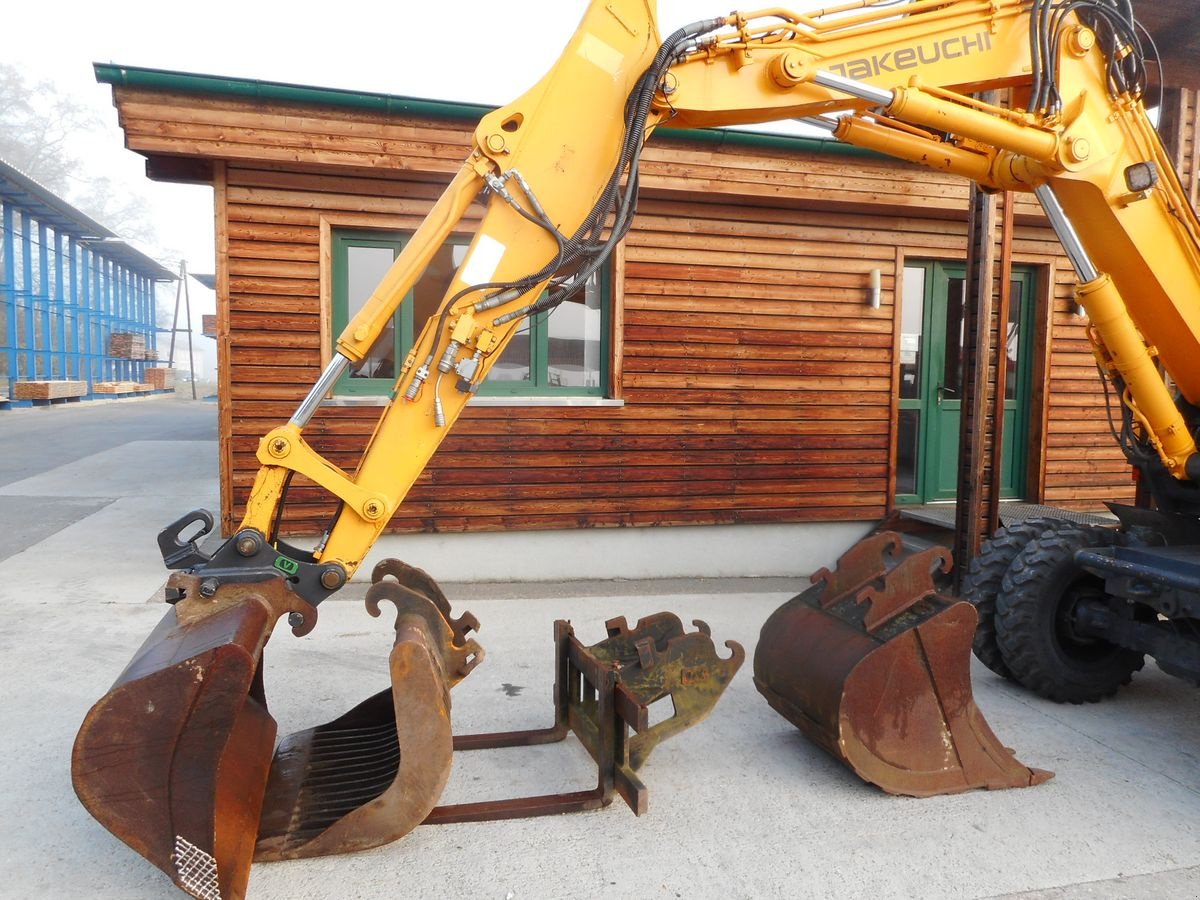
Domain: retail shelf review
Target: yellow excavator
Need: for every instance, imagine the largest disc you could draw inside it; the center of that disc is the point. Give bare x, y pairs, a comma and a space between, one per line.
179, 758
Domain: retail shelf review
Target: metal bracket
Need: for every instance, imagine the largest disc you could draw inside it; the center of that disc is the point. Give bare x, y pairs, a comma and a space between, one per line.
602, 695
178, 553
245, 558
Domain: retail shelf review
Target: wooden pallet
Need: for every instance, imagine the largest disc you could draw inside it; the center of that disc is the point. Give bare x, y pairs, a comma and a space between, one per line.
120, 387
126, 345
161, 378
49, 390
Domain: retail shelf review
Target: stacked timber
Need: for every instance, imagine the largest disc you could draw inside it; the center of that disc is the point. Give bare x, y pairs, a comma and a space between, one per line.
120, 387
48, 390
161, 378
126, 345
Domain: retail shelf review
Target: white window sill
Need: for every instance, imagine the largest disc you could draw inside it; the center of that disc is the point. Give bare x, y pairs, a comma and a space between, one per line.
605, 402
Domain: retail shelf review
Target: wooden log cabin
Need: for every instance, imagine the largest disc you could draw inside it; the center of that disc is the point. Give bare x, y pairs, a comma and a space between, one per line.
731, 372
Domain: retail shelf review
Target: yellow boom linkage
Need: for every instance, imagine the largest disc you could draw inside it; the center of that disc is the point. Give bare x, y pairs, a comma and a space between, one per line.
898, 83
556, 174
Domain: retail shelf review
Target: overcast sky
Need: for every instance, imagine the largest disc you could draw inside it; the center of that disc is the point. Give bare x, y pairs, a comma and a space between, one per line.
484, 51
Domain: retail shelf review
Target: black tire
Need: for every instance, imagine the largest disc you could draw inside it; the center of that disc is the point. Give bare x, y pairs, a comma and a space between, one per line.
1033, 622
985, 575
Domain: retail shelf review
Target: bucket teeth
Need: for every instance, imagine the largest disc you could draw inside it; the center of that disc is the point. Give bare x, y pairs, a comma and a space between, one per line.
873, 665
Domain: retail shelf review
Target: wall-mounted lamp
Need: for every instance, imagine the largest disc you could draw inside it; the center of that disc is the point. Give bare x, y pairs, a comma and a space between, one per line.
876, 291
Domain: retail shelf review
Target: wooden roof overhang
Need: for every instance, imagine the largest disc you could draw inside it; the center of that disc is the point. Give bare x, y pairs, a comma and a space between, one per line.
1174, 26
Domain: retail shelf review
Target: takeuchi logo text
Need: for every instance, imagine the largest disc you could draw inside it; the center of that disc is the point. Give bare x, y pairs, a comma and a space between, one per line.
914, 57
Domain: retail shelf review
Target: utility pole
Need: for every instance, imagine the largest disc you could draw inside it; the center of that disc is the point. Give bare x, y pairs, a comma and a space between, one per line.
181, 291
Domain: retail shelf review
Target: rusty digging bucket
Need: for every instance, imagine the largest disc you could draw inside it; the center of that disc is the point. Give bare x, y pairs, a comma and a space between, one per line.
178, 759
873, 665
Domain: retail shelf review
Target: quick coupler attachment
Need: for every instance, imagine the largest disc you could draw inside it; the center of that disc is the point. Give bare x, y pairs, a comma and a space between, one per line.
873, 665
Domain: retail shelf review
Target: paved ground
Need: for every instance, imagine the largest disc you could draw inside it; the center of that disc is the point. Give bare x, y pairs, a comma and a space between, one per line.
740, 806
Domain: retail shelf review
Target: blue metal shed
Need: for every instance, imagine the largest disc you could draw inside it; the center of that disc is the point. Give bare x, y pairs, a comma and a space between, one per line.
67, 284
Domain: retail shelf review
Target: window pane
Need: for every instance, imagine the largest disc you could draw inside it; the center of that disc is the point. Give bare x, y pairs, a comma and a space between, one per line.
514, 363
908, 432
366, 267
574, 332
912, 326
1012, 343
952, 375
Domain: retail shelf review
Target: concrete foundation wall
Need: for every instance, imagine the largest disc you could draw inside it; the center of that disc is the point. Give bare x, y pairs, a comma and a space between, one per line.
711, 551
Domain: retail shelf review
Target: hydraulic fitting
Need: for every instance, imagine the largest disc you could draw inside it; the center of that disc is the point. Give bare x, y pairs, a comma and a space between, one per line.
414, 386
446, 363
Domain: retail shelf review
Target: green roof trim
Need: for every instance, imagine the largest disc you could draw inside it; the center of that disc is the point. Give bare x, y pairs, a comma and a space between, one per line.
392, 104
795, 143
187, 82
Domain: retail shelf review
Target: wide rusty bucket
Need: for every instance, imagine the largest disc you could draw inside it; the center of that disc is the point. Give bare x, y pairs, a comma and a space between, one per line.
873, 665
178, 759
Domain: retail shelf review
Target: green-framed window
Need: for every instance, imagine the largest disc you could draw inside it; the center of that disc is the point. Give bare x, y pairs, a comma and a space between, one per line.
564, 352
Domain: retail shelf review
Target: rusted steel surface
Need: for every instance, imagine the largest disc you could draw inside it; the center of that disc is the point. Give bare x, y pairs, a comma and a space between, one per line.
657, 660
873, 665
176, 759
602, 695
372, 775
173, 760
419, 582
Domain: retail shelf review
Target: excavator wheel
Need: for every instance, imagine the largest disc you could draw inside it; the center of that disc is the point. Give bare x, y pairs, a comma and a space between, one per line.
985, 575
1034, 622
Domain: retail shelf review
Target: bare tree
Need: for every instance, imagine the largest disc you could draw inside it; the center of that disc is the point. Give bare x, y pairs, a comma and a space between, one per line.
39, 125
36, 124
116, 208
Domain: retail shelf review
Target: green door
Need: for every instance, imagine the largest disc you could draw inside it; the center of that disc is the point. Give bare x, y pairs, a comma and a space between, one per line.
931, 365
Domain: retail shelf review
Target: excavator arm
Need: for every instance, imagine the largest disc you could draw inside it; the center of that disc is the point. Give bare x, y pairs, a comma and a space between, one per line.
557, 170
556, 175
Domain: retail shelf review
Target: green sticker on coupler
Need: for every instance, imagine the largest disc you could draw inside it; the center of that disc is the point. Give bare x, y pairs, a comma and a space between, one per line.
288, 566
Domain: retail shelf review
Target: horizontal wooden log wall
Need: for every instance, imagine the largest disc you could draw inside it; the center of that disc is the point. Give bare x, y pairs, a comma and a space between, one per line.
1179, 114
758, 384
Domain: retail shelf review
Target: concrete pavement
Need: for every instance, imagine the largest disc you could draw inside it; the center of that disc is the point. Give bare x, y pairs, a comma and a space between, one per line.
740, 806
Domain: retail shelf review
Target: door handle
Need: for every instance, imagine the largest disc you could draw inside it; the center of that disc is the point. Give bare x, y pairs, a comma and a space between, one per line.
941, 394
